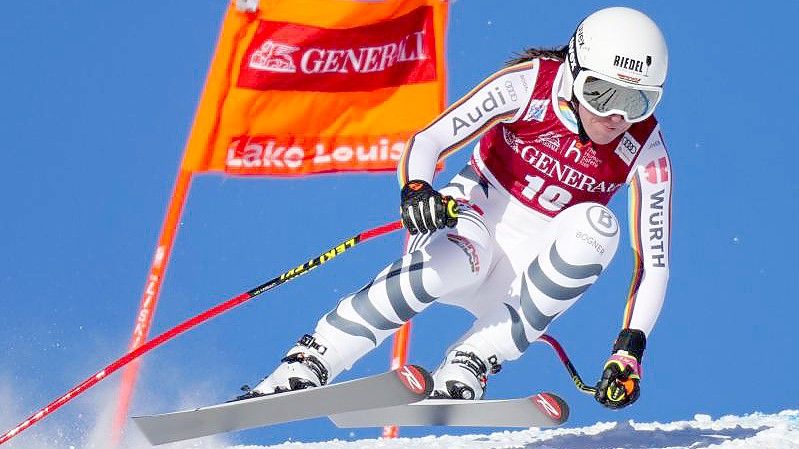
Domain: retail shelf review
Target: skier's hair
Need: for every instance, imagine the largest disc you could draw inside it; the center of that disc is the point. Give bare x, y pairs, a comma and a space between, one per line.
528, 54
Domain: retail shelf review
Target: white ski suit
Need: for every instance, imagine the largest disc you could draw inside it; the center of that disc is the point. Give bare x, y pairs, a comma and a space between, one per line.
534, 231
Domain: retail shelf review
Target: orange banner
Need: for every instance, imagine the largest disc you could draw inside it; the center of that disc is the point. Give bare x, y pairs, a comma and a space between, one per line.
319, 86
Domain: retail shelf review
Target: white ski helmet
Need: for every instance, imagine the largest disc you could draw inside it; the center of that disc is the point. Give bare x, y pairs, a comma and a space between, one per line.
618, 62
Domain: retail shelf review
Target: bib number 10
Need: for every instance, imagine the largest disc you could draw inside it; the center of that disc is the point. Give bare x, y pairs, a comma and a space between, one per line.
552, 198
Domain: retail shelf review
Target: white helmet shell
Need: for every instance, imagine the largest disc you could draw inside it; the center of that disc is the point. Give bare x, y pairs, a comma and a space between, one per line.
620, 43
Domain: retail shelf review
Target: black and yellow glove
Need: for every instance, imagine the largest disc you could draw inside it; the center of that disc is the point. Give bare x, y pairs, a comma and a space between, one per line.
621, 376
424, 210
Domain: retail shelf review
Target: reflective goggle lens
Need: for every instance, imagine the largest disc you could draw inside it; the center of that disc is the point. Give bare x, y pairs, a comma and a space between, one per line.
607, 98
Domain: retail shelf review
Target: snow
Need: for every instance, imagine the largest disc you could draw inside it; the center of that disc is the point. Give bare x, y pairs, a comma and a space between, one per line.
757, 430
752, 431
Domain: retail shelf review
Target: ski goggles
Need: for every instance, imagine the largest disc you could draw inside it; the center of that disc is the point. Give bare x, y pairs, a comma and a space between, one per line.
605, 96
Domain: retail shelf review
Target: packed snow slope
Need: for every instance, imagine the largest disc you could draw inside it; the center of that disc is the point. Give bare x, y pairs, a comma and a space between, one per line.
761, 431
755, 431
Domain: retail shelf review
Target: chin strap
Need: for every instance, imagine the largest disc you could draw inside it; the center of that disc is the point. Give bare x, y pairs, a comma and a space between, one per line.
584, 139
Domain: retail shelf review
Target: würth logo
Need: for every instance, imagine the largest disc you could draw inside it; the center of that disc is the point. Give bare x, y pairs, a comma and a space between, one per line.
288, 56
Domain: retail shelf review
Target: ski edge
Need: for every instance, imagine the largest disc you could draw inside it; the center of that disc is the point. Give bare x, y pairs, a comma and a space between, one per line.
549, 410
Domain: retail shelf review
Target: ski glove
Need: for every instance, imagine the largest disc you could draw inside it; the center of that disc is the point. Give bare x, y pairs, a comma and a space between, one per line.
424, 210
619, 385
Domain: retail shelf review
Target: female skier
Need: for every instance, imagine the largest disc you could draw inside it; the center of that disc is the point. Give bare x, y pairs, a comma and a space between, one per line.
522, 231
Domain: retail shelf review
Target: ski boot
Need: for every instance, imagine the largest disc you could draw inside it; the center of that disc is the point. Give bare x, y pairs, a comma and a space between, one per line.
463, 374
304, 366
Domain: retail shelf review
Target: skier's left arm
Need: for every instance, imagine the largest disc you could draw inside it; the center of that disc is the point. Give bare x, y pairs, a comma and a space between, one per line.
649, 205
649, 201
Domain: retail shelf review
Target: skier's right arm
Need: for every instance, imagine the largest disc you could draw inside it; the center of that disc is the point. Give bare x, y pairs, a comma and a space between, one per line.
500, 97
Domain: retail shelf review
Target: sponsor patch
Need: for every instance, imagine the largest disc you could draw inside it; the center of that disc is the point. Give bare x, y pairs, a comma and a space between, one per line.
290, 56
590, 241
630, 64
536, 111
511, 91
590, 158
658, 171
627, 149
549, 139
602, 220
656, 229
478, 107
511, 139
468, 248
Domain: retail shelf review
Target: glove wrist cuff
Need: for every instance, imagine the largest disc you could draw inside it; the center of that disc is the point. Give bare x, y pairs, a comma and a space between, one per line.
626, 360
416, 185
632, 341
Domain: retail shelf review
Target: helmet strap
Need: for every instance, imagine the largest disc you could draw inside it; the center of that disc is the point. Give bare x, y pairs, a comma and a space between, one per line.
574, 68
575, 107
571, 54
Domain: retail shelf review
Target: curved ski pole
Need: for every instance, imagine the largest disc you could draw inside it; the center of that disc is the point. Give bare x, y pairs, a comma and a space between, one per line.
567, 363
194, 321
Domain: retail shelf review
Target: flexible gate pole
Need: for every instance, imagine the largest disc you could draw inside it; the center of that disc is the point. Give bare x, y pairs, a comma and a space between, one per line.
149, 299
197, 319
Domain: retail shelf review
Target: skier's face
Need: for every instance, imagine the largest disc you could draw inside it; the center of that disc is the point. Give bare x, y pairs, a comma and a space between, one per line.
602, 130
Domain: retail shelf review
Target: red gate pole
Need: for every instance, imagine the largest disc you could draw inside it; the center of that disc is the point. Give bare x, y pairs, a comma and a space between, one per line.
399, 357
149, 299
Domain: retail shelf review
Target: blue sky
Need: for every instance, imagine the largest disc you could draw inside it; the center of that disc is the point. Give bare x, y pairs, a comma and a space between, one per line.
96, 101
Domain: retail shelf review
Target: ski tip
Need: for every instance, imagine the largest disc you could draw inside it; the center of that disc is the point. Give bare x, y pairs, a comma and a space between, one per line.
552, 406
416, 379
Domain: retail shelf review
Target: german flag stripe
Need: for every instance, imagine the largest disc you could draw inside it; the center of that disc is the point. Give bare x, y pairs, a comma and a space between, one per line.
403, 163
635, 239
402, 167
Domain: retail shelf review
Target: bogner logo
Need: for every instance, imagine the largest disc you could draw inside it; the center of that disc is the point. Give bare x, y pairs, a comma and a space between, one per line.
602, 220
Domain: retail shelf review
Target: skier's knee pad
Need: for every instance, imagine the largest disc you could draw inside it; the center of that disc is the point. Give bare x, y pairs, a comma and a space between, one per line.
586, 233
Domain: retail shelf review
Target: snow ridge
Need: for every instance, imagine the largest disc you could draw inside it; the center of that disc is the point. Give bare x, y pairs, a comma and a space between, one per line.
757, 430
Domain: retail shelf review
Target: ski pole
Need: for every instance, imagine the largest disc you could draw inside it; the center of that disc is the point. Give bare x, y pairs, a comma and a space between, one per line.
194, 321
567, 363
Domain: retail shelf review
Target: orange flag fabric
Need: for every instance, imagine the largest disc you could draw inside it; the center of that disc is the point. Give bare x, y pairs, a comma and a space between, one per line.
318, 86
